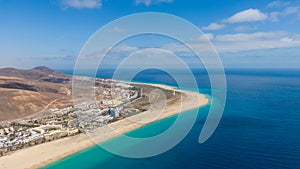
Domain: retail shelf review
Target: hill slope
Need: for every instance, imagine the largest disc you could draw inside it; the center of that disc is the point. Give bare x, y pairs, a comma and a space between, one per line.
27, 92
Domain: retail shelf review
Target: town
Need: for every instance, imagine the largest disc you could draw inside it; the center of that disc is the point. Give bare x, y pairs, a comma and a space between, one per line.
113, 104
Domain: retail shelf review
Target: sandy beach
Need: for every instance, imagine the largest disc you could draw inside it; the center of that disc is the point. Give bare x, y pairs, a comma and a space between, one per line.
46, 153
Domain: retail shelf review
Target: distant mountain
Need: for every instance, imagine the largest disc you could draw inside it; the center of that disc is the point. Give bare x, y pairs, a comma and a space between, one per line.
44, 69
27, 92
38, 73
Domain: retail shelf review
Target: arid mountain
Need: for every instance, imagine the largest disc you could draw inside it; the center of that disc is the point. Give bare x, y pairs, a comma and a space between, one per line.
39, 73
27, 92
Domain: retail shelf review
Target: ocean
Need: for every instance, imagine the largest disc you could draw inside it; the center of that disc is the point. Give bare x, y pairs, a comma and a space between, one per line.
260, 127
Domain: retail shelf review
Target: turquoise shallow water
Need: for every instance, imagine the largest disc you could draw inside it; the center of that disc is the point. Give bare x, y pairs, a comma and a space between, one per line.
260, 128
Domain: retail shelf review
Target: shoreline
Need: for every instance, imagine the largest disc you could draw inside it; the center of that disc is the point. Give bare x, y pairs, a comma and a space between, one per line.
47, 153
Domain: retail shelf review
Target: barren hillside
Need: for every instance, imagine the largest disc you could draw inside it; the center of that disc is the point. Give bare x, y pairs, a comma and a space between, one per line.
26, 92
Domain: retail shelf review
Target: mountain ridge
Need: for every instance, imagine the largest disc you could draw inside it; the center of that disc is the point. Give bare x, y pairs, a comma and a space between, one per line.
37, 73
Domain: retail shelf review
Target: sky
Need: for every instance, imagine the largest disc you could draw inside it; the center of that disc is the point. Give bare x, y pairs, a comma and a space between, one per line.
246, 34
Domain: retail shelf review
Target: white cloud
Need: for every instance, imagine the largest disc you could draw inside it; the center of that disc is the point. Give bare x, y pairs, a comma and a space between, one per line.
224, 43
287, 39
255, 41
80, 4
124, 48
227, 43
117, 51
202, 41
250, 36
214, 26
240, 42
278, 3
151, 2
291, 10
207, 36
117, 29
236, 44
249, 15
274, 16
176, 48
245, 28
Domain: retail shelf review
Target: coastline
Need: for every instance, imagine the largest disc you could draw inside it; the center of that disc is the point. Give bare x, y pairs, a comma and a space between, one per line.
44, 154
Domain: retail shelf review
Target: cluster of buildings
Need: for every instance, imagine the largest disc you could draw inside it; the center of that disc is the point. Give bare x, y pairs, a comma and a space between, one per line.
28, 132
59, 123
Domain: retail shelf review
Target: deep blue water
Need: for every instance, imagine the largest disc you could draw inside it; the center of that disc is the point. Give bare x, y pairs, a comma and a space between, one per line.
260, 127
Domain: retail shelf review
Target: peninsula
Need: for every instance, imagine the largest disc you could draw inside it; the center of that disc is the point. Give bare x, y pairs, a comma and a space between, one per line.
46, 126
